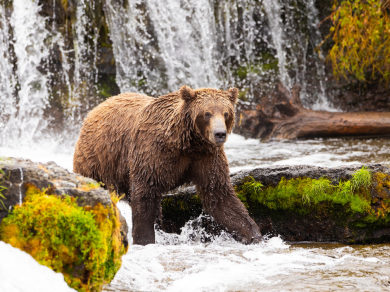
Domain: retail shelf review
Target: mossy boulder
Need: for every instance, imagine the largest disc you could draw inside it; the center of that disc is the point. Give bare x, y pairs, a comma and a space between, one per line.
349, 204
66, 222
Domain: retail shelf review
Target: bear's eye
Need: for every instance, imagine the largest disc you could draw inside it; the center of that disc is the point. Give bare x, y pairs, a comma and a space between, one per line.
207, 115
226, 115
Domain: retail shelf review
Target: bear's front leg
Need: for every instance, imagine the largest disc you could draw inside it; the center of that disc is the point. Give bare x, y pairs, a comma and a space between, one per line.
144, 207
219, 199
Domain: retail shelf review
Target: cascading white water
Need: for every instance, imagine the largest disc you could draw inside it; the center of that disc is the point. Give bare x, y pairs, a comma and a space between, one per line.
183, 44
322, 102
291, 39
128, 32
185, 34
273, 10
7, 79
158, 46
86, 55
27, 44
25, 117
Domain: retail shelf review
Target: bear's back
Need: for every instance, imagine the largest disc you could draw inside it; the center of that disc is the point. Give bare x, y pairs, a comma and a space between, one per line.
101, 147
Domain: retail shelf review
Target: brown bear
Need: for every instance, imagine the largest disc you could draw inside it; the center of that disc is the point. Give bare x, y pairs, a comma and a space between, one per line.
146, 146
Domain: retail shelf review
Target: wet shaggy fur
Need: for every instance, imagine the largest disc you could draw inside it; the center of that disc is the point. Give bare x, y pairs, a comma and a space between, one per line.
147, 146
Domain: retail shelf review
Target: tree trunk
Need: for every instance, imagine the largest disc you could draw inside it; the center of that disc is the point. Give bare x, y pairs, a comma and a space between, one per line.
284, 118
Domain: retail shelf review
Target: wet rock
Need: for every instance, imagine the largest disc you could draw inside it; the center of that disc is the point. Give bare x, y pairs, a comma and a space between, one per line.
330, 224
18, 173
273, 174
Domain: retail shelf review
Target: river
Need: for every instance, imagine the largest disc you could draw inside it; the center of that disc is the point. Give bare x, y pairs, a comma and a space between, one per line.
176, 263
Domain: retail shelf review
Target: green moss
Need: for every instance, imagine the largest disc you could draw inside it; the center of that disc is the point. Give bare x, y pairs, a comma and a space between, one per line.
266, 63
2, 188
107, 86
178, 209
361, 178
242, 95
349, 202
82, 243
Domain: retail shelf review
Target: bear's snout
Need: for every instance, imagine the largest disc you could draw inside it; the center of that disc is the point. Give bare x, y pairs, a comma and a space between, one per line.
218, 132
220, 136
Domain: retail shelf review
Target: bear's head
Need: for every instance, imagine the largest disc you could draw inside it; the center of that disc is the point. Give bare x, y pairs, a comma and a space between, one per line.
212, 111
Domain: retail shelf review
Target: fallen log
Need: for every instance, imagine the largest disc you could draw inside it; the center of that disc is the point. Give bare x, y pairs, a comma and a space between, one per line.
300, 203
283, 117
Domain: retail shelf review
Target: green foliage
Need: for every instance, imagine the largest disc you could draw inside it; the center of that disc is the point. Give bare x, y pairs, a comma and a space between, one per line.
361, 35
303, 195
2, 188
361, 178
67, 238
267, 63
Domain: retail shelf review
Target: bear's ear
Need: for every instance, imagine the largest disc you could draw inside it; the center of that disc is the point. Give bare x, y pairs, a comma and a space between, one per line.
233, 94
187, 93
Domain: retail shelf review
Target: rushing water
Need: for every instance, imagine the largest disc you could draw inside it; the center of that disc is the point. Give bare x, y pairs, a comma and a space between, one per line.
177, 263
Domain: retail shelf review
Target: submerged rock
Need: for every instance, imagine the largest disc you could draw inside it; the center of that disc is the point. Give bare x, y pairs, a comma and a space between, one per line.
349, 204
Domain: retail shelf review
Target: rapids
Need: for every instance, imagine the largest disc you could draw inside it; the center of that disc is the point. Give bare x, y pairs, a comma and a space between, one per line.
177, 263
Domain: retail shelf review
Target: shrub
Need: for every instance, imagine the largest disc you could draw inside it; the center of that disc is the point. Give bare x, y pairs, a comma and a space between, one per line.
361, 35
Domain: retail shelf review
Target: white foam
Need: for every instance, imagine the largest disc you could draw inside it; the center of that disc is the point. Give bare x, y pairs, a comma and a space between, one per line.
222, 265
20, 272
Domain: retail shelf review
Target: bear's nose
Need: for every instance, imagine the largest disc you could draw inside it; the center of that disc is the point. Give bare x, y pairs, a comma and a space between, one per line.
220, 135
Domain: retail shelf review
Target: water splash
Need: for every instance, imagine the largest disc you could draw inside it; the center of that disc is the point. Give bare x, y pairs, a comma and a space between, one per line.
186, 263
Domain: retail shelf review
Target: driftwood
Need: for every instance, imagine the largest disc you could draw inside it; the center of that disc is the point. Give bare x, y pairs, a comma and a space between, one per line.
283, 117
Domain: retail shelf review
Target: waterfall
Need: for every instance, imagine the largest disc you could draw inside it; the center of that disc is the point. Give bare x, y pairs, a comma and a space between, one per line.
178, 49
159, 46
58, 66
23, 114
85, 72
28, 78
273, 10
185, 33
7, 78
131, 46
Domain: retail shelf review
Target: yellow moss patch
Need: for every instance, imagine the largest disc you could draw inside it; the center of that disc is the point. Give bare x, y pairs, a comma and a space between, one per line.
82, 243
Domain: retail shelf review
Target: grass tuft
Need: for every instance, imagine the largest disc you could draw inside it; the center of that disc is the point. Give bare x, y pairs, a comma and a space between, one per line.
300, 193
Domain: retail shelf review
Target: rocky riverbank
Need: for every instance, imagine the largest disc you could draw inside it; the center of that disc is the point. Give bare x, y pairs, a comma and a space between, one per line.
63, 220
348, 204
